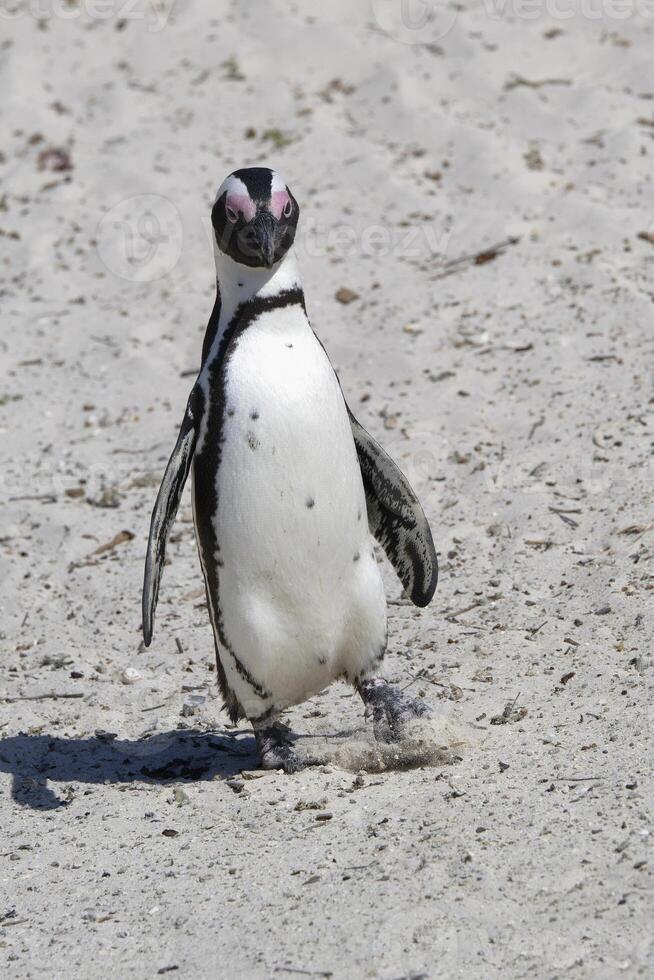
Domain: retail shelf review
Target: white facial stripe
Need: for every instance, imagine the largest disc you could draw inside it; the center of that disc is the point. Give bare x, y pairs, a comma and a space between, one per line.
231, 185
238, 198
278, 183
279, 195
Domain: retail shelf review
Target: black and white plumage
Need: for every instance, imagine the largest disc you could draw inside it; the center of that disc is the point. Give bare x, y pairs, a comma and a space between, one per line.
287, 490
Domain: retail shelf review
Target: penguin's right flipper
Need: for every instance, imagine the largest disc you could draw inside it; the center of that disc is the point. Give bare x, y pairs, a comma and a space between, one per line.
165, 508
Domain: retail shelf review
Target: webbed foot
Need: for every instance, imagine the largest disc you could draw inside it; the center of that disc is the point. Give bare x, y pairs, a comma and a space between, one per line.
275, 743
390, 709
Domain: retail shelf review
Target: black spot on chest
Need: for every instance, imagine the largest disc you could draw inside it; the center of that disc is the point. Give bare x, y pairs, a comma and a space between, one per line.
310, 502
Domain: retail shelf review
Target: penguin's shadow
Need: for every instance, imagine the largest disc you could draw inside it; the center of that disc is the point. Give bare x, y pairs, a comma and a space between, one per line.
36, 760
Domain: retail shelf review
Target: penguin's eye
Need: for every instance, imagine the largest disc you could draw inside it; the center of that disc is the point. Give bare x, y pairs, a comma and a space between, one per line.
288, 207
231, 214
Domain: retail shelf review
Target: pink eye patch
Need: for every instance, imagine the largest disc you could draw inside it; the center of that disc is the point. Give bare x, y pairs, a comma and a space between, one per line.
278, 202
241, 203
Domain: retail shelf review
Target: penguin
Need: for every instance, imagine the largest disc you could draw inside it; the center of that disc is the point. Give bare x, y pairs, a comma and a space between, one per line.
289, 493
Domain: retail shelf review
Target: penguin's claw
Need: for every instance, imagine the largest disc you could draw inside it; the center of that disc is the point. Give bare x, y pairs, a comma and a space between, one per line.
390, 710
277, 750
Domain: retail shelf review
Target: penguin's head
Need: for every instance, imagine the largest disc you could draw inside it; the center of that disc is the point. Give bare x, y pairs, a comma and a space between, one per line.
254, 217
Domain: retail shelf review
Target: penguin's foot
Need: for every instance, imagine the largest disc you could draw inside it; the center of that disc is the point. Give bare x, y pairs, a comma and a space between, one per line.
390, 709
275, 743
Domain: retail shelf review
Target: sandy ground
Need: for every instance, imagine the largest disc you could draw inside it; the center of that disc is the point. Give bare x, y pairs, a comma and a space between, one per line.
514, 388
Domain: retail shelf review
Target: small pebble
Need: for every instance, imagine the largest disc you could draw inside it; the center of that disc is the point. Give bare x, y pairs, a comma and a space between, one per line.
346, 295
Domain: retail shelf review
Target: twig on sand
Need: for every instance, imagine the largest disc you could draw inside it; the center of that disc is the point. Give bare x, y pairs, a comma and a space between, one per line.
537, 424
575, 779
460, 612
518, 80
639, 530
563, 514
306, 973
510, 713
47, 498
137, 452
478, 258
103, 549
51, 696
511, 705
421, 673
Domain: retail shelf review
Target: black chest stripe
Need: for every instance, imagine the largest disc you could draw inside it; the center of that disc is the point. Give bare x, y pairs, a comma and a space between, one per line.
212, 326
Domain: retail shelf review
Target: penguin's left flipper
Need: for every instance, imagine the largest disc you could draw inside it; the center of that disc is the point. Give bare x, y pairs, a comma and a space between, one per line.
165, 508
396, 519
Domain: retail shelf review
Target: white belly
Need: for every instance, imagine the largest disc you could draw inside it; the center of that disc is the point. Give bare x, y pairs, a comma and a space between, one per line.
300, 593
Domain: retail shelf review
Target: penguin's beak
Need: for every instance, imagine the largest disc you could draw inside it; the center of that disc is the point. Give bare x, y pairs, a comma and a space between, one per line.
263, 227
